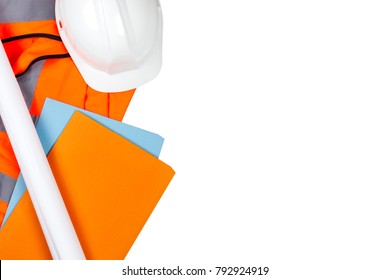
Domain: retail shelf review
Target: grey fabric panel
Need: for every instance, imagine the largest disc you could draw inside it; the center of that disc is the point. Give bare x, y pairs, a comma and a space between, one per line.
2, 128
35, 120
26, 10
7, 185
28, 82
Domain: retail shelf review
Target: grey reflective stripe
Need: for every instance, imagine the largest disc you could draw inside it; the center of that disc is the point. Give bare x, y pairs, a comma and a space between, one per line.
35, 120
7, 185
26, 10
28, 82
2, 128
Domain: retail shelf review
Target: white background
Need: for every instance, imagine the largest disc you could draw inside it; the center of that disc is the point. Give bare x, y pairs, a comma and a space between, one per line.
276, 118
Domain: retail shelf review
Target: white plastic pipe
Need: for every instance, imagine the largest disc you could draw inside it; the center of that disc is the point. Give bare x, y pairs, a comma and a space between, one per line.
42, 187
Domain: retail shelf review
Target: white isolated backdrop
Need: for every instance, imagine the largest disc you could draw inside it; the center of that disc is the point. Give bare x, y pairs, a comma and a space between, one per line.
276, 118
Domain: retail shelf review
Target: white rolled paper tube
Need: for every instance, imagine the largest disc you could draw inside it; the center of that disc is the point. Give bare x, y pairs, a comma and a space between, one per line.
42, 187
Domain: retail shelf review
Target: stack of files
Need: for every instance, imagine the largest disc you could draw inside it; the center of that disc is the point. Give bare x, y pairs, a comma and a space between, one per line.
109, 176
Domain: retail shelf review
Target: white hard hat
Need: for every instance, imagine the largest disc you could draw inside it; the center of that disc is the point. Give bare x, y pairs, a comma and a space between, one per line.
115, 44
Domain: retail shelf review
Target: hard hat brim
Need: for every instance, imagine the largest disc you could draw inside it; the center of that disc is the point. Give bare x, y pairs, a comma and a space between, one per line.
122, 81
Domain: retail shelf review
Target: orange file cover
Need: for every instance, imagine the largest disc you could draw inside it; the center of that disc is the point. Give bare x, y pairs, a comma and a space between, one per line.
109, 185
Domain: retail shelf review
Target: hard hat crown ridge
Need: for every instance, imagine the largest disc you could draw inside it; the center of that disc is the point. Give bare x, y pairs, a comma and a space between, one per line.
116, 45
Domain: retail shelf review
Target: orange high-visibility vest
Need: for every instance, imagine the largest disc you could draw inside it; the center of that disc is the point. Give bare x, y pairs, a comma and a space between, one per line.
44, 69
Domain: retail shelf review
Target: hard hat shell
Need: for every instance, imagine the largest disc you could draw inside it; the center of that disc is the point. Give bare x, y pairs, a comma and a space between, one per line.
115, 44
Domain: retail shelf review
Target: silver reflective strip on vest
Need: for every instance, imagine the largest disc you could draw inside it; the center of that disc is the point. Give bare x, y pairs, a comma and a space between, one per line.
28, 82
7, 185
26, 10
35, 120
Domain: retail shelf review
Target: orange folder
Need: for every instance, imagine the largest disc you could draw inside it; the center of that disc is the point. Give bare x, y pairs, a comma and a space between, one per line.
109, 185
